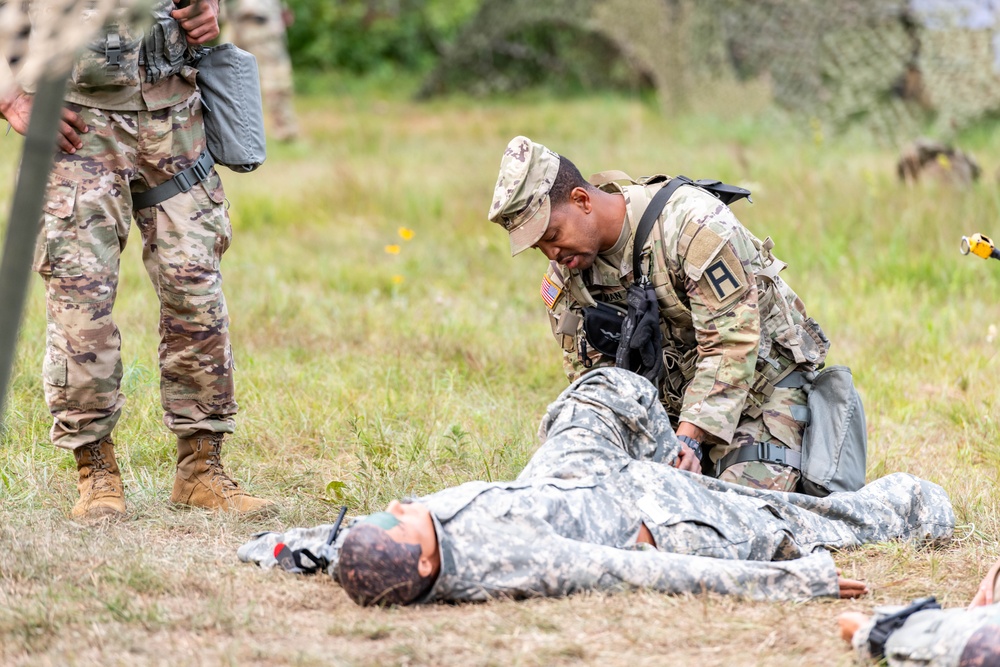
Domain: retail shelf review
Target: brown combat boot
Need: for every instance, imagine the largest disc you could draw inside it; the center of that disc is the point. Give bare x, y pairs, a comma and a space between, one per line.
102, 494
201, 481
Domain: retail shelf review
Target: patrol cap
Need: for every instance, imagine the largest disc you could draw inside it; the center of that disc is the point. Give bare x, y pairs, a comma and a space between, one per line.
521, 197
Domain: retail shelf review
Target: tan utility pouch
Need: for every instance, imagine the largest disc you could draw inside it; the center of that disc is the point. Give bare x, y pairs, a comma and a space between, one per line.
112, 60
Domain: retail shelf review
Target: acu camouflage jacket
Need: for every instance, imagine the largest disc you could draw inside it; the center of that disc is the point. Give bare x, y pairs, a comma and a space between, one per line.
569, 522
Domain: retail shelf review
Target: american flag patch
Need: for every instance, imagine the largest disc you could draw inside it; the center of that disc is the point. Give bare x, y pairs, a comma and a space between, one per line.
550, 292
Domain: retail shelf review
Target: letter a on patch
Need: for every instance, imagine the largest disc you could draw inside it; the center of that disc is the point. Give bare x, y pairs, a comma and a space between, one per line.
724, 278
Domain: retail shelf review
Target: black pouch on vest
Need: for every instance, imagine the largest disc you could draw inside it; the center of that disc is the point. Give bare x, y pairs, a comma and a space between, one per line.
602, 324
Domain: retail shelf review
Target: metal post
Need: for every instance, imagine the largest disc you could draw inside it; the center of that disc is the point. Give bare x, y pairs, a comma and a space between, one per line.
25, 212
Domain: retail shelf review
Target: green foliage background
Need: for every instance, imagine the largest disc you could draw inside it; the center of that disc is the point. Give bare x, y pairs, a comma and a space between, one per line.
372, 36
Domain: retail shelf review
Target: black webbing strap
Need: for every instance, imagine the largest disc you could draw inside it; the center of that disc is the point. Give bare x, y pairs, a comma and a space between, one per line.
181, 182
768, 452
649, 217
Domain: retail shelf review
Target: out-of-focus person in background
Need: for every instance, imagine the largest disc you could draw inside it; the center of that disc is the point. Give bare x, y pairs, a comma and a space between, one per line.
259, 26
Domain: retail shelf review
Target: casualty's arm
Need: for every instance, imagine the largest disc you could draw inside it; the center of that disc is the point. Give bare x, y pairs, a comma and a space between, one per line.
558, 566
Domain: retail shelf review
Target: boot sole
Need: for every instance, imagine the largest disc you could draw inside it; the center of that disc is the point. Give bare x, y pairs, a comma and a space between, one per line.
100, 515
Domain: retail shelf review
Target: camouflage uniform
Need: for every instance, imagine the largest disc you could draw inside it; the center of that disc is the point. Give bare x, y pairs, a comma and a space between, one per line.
569, 522
939, 638
258, 26
731, 328
139, 135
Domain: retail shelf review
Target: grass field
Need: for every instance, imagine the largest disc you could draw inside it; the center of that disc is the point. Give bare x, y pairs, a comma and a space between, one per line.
365, 374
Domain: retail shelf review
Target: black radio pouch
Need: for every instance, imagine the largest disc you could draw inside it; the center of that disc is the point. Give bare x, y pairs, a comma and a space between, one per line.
632, 337
602, 326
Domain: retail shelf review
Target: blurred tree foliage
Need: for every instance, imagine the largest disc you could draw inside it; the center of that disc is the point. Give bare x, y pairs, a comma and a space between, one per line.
365, 36
890, 65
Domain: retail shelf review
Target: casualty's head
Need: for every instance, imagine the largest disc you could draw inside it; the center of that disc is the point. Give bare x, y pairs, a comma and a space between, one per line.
390, 557
543, 201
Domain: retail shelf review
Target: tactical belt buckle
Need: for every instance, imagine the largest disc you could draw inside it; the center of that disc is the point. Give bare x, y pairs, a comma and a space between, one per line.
113, 50
183, 182
200, 169
768, 452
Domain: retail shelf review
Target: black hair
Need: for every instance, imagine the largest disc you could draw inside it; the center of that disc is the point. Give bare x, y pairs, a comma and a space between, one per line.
567, 179
374, 569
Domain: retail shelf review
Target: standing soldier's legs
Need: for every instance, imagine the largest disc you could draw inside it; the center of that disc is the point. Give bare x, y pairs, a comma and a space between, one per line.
85, 226
184, 238
776, 431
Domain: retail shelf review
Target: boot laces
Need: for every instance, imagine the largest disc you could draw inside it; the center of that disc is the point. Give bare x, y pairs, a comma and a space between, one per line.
214, 463
100, 471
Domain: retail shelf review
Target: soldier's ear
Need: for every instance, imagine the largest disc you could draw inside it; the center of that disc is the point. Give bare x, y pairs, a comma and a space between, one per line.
580, 198
424, 566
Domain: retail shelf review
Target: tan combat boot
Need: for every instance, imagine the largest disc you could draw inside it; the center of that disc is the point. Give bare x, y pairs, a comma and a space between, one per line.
102, 495
201, 481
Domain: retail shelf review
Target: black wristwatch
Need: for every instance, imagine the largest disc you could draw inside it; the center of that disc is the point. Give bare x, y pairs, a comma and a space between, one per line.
692, 443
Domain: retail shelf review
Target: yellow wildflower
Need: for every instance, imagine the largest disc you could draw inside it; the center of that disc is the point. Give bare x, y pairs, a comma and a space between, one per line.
392, 249
405, 233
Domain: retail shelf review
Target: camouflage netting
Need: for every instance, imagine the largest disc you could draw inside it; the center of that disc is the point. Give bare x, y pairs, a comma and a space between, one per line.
888, 64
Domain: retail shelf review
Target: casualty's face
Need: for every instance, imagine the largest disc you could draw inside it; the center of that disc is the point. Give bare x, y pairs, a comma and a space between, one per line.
409, 523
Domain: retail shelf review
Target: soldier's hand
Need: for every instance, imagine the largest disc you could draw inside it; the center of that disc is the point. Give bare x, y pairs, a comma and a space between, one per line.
200, 20
687, 460
850, 588
17, 111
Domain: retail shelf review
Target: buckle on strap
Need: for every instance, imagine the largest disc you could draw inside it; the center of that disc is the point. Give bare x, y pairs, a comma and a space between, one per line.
181, 182
767, 452
113, 50
201, 169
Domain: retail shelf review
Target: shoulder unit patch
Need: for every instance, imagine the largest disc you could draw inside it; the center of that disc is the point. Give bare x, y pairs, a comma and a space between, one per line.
723, 279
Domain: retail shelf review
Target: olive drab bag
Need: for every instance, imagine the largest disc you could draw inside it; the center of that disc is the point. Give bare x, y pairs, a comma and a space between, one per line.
234, 116
835, 444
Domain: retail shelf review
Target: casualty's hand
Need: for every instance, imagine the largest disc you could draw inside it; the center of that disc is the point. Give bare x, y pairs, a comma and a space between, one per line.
850, 588
200, 20
687, 460
17, 110
984, 595
850, 622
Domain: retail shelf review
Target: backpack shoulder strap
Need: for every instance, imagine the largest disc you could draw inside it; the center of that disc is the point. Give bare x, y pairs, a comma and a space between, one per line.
727, 194
649, 217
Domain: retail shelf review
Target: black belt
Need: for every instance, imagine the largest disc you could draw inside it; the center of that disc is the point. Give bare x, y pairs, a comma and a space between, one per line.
767, 452
181, 182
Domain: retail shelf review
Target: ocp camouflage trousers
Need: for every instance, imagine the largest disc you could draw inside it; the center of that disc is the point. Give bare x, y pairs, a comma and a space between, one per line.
85, 225
775, 425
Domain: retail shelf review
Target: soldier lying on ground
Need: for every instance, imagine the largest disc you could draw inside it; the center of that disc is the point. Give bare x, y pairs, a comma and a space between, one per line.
600, 507
930, 635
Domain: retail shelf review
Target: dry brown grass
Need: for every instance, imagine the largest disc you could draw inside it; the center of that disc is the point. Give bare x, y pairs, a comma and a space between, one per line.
357, 387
